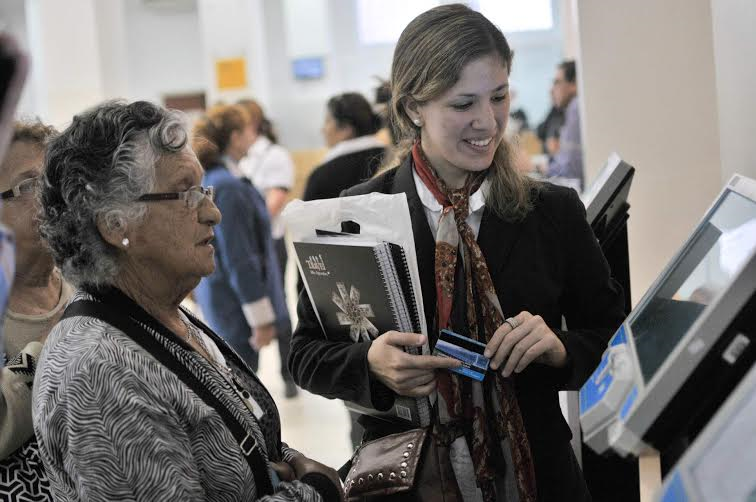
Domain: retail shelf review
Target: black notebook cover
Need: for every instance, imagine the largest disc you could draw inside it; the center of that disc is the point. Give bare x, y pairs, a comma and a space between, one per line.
357, 289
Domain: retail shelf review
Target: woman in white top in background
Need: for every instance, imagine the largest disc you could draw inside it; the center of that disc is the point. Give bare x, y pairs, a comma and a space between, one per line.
269, 167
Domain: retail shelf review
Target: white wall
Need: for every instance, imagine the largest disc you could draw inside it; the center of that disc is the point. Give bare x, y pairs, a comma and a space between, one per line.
164, 50
85, 51
648, 92
733, 24
297, 107
65, 52
113, 45
89, 50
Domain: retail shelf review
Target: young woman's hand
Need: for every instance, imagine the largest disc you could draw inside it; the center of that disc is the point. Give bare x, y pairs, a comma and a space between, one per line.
405, 374
521, 340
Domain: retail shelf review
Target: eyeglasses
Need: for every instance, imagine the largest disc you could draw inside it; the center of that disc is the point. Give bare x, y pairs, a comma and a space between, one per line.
26, 186
193, 197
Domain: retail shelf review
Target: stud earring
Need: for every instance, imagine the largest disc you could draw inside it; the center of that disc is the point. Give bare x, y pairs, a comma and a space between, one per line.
125, 242
418, 122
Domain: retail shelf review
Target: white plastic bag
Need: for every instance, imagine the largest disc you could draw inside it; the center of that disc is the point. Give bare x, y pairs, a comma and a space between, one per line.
380, 216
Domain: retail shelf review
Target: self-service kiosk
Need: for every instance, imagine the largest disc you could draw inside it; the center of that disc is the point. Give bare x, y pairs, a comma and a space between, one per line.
687, 344
607, 210
721, 463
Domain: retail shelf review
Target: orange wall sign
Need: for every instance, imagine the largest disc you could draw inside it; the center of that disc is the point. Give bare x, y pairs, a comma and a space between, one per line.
231, 73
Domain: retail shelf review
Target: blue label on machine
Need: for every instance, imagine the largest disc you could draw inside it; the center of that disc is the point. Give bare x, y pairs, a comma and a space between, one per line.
595, 387
675, 490
628, 402
619, 338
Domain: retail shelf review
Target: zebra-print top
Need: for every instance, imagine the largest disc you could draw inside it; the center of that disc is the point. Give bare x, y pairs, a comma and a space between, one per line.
113, 423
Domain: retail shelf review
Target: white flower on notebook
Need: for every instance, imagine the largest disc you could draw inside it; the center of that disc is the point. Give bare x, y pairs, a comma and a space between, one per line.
353, 314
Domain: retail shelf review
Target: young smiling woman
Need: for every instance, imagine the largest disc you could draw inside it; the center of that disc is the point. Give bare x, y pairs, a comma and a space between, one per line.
502, 259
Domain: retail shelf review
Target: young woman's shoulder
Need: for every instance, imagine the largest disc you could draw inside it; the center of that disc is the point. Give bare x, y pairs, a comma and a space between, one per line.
559, 205
554, 198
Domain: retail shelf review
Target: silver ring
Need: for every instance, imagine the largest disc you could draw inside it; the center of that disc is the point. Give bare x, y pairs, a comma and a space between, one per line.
512, 322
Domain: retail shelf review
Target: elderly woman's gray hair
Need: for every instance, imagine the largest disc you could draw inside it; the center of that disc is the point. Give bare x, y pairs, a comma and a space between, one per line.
96, 169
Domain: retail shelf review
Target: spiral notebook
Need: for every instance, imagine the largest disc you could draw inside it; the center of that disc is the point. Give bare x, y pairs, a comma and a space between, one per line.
361, 288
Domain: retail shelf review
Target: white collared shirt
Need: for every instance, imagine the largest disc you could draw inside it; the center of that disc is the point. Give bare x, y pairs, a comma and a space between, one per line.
352, 145
459, 453
268, 166
433, 208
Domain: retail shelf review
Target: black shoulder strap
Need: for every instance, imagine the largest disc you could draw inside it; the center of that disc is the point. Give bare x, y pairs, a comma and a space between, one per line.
247, 443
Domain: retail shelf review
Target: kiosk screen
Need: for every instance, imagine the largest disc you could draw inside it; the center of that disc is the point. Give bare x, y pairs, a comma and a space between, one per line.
712, 258
726, 471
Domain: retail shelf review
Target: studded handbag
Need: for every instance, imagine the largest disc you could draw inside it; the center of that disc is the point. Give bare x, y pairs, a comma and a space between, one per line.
411, 465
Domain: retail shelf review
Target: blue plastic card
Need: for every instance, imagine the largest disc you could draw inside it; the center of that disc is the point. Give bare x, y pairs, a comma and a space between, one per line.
467, 350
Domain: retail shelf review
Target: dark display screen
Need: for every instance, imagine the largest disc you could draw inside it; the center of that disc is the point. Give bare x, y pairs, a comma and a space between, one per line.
709, 263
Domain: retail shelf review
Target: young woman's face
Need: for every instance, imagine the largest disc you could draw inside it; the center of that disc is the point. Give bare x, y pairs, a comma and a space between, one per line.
461, 129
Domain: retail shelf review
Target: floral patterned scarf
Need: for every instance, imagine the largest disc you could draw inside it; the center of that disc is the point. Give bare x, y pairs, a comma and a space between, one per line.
462, 399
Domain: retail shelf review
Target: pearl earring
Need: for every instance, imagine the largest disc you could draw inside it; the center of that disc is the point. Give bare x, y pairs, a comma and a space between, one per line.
418, 122
125, 242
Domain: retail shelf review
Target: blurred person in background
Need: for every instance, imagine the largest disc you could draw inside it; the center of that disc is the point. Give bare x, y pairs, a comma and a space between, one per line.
354, 155
354, 152
134, 397
37, 300
15, 66
566, 165
243, 300
382, 100
270, 168
548, 130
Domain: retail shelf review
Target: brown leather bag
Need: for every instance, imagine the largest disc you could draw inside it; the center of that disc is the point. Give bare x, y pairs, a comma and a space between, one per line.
408, 466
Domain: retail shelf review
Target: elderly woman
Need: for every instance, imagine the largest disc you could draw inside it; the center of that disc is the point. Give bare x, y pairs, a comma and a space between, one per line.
134, 398
36, 302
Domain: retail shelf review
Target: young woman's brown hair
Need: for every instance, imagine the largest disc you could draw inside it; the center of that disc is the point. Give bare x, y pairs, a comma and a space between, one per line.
428, 61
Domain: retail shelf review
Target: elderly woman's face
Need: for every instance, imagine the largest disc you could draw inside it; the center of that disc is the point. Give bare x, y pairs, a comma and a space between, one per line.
173, 243
21, 168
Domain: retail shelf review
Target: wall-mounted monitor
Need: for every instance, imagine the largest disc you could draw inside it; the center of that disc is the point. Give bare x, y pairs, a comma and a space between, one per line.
607, 195
689, 341
308, 68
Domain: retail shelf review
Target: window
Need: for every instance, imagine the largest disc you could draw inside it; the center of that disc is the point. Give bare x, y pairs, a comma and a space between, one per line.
518, 15
382, 21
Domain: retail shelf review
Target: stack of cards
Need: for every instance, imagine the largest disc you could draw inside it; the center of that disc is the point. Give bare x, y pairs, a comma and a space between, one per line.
467, 350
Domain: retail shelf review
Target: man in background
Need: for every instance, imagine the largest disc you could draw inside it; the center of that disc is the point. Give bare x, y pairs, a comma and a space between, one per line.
567, 163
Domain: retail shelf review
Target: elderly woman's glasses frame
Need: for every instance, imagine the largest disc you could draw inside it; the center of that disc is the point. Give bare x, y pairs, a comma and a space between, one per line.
193, 197
26, 186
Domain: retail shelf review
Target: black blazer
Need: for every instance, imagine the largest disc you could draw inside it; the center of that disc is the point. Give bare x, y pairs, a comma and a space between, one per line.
331, 178
548, 264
